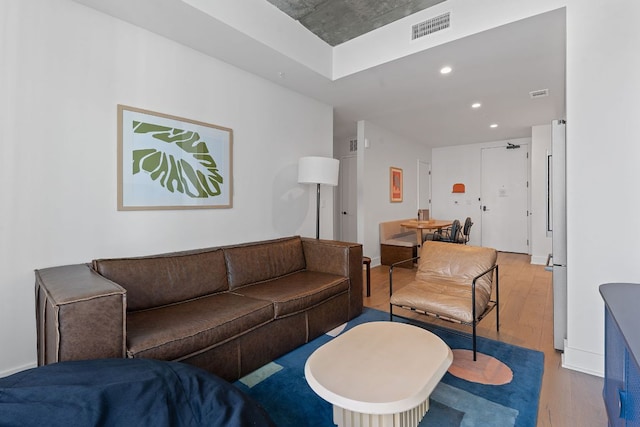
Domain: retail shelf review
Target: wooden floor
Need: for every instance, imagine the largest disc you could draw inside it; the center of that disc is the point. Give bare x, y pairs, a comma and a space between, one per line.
567, 398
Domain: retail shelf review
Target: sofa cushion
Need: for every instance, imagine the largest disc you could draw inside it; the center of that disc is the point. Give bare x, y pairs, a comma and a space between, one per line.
297, 291
408, 239
165, 279
262, 261
176, 331
446, 298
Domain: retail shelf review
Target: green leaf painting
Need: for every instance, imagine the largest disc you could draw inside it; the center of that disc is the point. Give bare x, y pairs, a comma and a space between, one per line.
193, 173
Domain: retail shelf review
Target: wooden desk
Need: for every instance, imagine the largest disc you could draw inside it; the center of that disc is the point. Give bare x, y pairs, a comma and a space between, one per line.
432, 224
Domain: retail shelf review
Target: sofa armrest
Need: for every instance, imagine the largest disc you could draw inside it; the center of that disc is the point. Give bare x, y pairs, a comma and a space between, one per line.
340, 258
79, 314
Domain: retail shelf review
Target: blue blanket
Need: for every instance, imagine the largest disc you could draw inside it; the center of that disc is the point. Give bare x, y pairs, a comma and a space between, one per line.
124, 392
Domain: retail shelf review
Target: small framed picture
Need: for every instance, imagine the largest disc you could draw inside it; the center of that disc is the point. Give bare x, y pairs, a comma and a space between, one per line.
395, 184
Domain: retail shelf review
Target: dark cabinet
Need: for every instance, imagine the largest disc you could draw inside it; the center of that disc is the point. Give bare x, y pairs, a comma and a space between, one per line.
621, 391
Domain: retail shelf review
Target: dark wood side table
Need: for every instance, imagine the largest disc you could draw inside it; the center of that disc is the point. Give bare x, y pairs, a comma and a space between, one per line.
367, 262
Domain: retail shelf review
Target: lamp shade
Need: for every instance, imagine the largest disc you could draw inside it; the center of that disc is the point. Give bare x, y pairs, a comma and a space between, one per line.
318, 170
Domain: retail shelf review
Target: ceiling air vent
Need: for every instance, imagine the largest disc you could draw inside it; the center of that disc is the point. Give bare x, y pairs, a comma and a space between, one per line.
539, 93
430, 26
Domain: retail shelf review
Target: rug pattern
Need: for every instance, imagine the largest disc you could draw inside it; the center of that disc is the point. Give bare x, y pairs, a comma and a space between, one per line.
280, 386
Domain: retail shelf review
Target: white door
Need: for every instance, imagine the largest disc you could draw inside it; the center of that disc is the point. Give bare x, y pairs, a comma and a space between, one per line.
348, 199
424, 185
505, 198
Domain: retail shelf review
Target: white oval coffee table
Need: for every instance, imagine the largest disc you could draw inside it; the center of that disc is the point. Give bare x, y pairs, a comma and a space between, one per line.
379, 373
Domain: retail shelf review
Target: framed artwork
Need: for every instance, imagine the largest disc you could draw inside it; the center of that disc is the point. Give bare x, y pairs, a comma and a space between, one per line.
395, 184
168, 162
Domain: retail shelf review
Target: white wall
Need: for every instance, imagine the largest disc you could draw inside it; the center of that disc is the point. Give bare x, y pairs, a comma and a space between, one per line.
263, 21
540, 147
64, 69
461, 164
602, 160
603, 66
602, 156
386, 149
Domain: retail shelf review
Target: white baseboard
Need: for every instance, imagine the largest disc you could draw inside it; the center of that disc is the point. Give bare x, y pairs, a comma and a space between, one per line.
12, 371
583, 361
538, 260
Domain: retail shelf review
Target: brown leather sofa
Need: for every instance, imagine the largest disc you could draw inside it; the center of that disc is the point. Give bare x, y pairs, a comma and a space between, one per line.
228, 310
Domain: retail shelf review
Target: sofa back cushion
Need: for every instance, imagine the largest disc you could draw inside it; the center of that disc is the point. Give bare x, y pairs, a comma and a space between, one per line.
392, 229
458, 263
257, 262
166, 279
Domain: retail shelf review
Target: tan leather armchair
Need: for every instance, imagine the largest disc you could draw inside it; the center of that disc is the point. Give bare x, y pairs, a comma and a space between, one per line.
453, 283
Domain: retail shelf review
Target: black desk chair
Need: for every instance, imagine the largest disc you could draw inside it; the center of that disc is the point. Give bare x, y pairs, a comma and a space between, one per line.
466, 231
450, 235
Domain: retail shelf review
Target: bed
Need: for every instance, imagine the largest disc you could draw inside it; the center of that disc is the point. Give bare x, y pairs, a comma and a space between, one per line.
124, 392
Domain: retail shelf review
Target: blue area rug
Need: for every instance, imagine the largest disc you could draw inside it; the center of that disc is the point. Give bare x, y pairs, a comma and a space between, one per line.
280, 387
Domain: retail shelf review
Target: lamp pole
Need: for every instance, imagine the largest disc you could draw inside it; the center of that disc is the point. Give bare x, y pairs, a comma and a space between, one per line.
318, 212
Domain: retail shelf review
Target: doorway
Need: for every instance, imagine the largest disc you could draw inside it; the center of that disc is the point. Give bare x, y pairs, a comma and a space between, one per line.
348, 199
505, 198
424, 185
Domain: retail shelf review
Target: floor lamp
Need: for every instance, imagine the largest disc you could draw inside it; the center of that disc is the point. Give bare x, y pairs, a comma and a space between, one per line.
318, 170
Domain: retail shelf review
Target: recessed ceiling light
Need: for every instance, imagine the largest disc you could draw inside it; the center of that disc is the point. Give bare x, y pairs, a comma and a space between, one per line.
494, 125
476, 105
446, 70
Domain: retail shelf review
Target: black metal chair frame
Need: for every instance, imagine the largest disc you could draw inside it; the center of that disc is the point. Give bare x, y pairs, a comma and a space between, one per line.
476, 319
449, 234
466, 230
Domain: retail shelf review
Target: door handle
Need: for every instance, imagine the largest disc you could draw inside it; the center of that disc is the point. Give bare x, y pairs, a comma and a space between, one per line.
622, 403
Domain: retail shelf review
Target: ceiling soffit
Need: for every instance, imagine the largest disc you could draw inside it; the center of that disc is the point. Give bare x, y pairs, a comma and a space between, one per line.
338, 21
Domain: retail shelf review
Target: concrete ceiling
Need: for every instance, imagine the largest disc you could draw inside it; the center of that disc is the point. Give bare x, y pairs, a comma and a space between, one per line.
408, 96
337, 21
